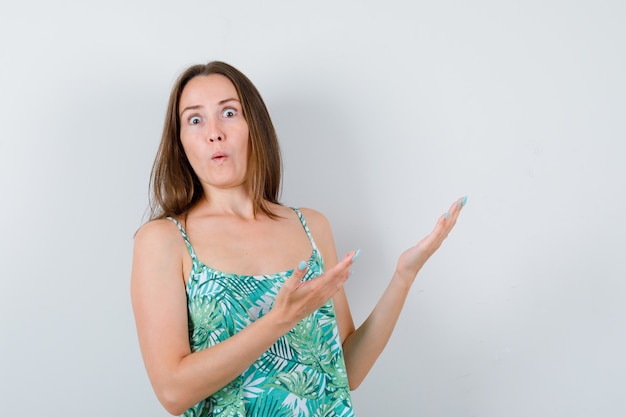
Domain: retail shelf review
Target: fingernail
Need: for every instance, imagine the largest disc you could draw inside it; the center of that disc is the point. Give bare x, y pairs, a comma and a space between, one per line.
464, 201
447, 215
301, 266
356, 255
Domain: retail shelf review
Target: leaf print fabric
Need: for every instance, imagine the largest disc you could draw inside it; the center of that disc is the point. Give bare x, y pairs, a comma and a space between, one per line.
301, 375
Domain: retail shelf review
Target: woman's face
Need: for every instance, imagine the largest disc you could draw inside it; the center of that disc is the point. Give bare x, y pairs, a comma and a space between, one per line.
213, 131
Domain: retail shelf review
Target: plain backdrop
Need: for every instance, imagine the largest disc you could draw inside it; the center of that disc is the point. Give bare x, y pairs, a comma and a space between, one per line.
386, 113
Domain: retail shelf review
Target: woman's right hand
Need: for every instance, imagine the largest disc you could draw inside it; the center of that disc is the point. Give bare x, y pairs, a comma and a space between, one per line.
297, 299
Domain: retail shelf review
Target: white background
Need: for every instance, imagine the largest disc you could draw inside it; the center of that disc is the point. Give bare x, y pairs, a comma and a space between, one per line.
386, 112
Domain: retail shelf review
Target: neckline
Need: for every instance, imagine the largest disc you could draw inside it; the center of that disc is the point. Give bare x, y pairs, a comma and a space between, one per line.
197, 265
201, 265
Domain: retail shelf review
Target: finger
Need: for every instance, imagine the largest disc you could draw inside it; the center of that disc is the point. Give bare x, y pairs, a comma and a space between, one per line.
453, 213
350, 257
337, 275
458, 205
296, 276
348, 260
448, 220
461, 202
334, 277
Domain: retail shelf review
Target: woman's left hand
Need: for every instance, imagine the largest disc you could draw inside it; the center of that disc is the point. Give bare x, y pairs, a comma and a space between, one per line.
412, 260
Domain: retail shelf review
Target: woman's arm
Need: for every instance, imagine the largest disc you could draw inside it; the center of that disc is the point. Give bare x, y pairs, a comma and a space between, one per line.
181, 378
363, 345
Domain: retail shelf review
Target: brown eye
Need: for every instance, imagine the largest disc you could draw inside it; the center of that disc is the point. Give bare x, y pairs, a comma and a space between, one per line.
194, 120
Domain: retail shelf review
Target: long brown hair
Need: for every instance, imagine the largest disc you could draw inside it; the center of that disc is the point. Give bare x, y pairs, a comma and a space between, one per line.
174, 184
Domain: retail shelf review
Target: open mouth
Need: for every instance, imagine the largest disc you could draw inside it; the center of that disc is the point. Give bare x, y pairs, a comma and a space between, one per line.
218, 156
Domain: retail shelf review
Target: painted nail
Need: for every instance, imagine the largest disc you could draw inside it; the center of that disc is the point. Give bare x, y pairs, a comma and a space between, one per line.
356, 255
464, 201
301, 266
447, 215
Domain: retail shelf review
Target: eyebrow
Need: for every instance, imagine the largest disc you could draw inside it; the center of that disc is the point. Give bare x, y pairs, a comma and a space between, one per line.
199, 106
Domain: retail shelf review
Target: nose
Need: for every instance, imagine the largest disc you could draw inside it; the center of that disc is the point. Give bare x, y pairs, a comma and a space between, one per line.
215, 133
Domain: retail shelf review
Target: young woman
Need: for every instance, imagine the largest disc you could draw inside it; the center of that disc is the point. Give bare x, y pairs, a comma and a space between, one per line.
239, 300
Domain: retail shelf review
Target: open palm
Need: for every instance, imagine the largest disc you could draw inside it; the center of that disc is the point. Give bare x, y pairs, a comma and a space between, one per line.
412, 260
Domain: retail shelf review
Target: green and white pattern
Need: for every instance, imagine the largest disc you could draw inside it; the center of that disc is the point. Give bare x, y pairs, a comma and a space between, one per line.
303, 374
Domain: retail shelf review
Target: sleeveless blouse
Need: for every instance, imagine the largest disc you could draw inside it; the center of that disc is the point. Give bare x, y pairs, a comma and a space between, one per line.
302, 374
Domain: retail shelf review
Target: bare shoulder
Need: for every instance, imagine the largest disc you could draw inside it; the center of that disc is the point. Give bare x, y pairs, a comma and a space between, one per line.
161, 232
317, 222
158, 247
322, 234
156, 228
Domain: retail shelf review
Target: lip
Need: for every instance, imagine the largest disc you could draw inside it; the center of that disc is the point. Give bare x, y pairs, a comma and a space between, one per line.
218, 156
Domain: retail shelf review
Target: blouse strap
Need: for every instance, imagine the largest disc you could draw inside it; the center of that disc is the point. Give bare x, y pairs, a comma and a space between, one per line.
185, 238
306, 228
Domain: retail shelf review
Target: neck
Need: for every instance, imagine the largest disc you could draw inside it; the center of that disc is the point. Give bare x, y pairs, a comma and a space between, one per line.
232, 201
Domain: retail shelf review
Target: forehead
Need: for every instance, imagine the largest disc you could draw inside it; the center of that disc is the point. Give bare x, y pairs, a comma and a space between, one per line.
207, 89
